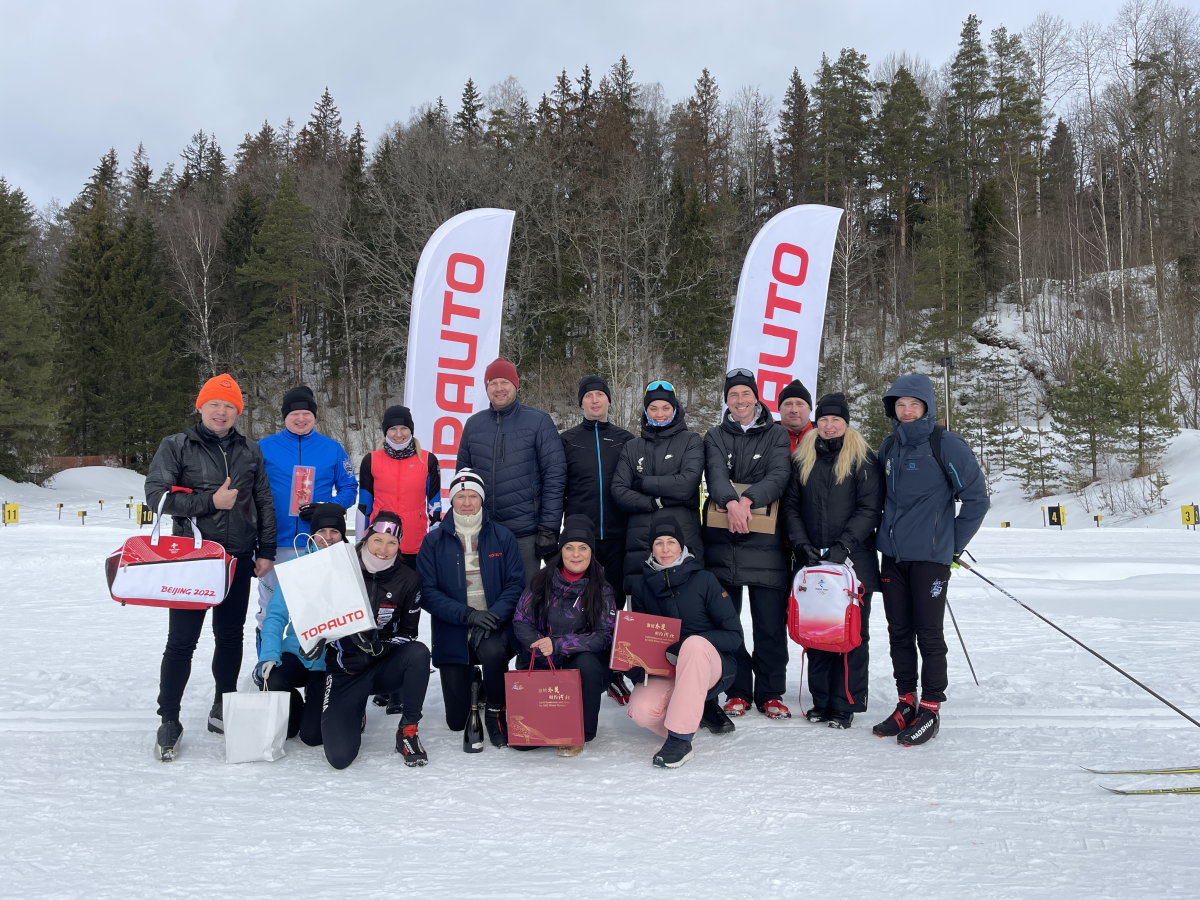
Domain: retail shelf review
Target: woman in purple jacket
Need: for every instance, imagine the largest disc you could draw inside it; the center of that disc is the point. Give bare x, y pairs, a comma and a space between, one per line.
568, 614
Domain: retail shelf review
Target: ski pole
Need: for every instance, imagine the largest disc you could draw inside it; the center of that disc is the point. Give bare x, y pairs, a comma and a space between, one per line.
962, 644
1112, 665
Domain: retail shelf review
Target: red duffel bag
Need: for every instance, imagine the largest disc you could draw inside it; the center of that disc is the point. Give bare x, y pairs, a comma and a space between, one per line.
180, 573
545, 707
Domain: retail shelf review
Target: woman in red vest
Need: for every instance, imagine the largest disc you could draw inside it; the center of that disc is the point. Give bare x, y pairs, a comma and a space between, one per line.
403, 478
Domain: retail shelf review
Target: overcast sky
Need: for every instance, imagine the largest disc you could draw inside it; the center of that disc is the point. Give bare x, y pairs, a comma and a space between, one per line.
79, 77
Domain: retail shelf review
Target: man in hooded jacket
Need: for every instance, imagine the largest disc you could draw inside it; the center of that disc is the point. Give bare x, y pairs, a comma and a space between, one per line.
920, 537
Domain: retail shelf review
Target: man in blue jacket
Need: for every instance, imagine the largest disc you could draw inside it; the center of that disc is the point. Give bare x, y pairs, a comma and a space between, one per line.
517, 452
303, 467
925, 469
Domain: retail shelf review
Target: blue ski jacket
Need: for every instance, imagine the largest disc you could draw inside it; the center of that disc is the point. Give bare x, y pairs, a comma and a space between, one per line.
277, 636
919, 524
333, 471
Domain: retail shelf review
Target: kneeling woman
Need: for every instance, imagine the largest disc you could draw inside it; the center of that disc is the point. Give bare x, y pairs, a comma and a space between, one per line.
281, 662
471, 577
568, 614
674, 585
380, 661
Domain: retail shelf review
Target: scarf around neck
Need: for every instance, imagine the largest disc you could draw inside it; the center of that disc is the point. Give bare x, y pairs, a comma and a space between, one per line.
399, 451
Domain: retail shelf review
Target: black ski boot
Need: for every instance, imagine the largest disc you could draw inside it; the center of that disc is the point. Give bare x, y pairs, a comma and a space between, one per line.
817, 716
674, 753
380, 699
166, 742
840, 720
496, 722
408, 745
714, 719
216, 717
923, 730
904, 715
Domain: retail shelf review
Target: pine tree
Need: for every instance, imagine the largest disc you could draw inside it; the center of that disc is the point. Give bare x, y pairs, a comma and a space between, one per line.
841, 125
988, 226
1144, 400
903, 139
693, 314
1034, 456
946, 281
970, 94
467, 122
792, 149
1088, 412
322, 139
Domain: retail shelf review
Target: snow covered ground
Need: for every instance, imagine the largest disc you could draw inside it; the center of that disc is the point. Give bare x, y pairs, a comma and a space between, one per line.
996, 806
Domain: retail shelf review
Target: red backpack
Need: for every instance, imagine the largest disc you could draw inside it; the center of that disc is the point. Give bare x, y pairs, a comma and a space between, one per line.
824, 612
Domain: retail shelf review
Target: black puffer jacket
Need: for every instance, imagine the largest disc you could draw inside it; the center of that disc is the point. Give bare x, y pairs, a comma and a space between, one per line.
757, 457
592, 450
194, 459
822, 512
395, 595
519, 456
692, 594
665, 463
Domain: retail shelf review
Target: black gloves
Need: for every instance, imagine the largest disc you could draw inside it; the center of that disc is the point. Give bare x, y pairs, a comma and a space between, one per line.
315, 652
836, 554
482, 618
672, 653
475, 637
808, 555
637, 675
368, 642
546, 543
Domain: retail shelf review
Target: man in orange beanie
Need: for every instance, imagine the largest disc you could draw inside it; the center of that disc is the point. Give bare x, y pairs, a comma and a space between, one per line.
212, 474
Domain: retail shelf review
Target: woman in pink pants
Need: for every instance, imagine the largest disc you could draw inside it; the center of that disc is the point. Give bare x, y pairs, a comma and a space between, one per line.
674, 584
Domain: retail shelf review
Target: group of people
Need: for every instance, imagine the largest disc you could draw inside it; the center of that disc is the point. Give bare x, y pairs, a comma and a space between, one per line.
547, 536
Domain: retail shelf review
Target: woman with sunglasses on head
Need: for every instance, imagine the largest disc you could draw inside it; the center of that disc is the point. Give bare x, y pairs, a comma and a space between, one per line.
660, 469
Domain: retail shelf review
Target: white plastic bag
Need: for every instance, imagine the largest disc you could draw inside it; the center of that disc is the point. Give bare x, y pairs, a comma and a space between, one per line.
325, 594
255, 725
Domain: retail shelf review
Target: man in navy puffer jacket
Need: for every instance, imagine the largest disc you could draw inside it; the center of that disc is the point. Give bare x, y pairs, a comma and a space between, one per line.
919, 537
517, 452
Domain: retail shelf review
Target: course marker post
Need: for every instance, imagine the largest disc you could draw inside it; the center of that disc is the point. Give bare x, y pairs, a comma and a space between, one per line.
59, 505
1097, 518
12, 514
82, 516
1058, 516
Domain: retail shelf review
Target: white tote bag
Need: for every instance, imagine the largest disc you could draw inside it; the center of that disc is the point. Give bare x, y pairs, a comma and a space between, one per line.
255, 725
325, 594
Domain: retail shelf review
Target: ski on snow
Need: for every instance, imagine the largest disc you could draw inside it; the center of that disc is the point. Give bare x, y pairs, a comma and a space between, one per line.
1194, 789
1186, 770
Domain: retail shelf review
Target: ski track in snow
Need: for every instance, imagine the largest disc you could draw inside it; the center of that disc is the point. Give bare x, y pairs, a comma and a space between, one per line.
996, 806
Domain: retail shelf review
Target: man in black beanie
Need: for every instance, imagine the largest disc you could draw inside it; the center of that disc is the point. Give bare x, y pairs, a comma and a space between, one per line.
304, 467
795, 412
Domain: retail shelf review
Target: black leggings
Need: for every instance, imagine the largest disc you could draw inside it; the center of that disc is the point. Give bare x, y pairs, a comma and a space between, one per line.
762, 676
304, 719
827, 676
405, 669
493, 655
914, 598
183, 633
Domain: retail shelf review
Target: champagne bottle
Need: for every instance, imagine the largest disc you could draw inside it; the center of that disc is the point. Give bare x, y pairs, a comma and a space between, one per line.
473, 734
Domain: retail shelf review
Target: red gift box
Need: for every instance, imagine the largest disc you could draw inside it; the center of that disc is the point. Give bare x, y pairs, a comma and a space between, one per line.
544, 707
640, 641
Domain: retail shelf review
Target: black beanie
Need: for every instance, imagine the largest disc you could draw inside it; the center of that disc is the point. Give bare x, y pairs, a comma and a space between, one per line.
325, 515
660, 393
397, 415
299, 397
664, 525
795, 389
578, 528
737, 378
833, 405
593, 383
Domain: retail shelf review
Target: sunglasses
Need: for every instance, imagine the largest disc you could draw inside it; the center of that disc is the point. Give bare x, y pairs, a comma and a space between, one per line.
391, 528
745, 373
665, 385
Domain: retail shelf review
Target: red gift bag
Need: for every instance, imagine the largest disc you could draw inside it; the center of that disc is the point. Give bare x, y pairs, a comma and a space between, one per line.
544, 707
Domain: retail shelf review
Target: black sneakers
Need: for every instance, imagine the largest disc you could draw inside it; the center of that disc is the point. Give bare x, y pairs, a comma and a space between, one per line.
904, 715
408, 744
166, 742
840, 720
923, 730
674, 753
817, 716
714, 719
496, 722
216, 717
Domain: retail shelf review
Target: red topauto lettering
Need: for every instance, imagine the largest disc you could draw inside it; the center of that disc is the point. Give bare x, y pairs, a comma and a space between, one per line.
451, 389
450, 308
337, 622
461, 382
459, 337
776, 268
466, 259
788, 334
791, 335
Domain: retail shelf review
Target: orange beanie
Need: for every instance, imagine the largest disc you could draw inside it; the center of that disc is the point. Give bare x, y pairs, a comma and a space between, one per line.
221, 387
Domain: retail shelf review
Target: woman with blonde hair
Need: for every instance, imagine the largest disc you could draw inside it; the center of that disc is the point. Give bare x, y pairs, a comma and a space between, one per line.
831, 511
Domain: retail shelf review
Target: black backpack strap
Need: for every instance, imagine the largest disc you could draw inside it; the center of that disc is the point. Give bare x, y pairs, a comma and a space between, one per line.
935, 444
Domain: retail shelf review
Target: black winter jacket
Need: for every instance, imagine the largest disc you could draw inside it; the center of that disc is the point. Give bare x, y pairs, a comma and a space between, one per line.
822, 512
395, 596
519, 456
592, 450
693, 595
194, 459
757, 457
665, 463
